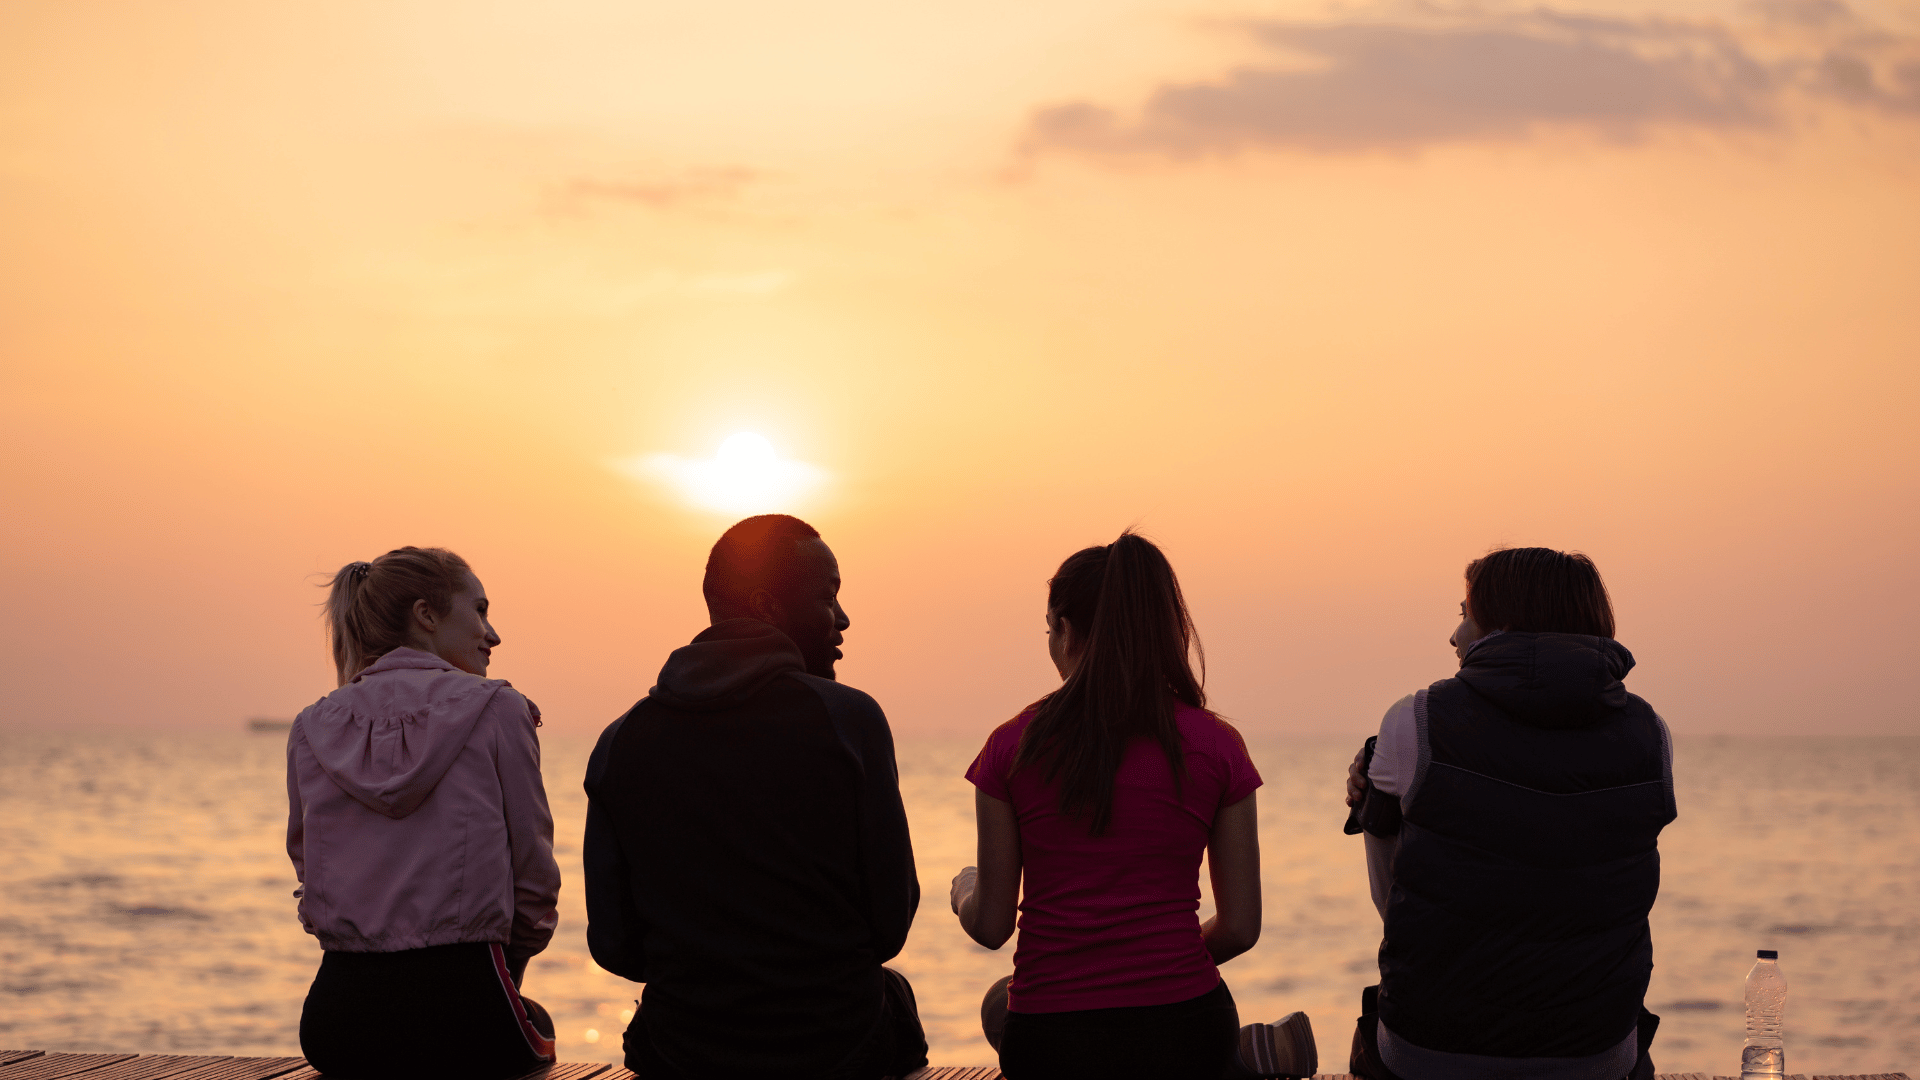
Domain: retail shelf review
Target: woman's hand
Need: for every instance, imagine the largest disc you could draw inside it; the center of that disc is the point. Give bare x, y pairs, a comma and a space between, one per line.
1356, 780
963, 883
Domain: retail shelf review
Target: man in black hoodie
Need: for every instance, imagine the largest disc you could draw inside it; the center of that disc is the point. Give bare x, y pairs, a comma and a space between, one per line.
747, 854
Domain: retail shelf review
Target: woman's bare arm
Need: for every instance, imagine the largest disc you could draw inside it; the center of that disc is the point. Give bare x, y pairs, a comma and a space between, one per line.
1233, 865
989, 902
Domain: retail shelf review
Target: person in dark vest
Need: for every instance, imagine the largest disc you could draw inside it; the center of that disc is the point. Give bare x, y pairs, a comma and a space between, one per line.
1511, 818
746, 853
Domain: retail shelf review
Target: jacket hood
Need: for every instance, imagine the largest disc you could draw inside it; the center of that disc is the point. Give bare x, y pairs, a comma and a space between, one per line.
725, 665
388, 736
1549, 680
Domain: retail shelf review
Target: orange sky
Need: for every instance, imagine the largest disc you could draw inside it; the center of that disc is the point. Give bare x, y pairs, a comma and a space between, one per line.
1327, 298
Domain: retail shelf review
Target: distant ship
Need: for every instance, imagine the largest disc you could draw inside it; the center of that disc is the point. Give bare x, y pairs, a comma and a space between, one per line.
267, 723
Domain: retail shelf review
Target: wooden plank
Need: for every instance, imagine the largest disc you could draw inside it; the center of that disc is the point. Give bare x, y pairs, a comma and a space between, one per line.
243, 1069
38, 1065
567, 1070
1788, 1077
988, 1072
152, 1067
50, 1066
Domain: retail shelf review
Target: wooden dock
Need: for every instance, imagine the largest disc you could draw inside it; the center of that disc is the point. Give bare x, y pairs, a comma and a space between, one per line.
39, 1065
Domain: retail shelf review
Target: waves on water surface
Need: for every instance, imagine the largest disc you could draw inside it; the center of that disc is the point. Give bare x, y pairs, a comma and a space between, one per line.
145, 899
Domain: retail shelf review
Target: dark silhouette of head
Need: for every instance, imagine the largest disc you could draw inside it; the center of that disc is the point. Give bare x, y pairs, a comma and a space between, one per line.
775, 568
1539, 590
1132, 646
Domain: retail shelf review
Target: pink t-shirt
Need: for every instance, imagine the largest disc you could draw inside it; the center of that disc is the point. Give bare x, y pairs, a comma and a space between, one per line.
1113, 920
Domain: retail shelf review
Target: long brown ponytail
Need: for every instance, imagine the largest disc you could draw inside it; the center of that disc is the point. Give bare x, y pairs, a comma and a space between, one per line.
369, 604
1137, 647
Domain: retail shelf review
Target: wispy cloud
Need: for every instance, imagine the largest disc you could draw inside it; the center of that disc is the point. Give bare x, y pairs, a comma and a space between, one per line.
1435, 76
663, 191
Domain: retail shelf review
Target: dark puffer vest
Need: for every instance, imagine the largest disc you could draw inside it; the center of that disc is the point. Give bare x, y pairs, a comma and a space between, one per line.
1527, 861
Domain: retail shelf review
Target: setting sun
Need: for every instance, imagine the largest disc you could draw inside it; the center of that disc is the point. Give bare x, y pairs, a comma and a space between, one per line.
746, 476
1328, 299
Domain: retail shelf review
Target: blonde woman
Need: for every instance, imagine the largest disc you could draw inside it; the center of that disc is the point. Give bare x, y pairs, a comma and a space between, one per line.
420, 833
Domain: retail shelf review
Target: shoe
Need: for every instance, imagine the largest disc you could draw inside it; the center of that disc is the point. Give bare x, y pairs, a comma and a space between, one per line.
1284, 1048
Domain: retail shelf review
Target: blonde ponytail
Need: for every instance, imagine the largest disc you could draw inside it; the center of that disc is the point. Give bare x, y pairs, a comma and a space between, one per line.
369, 604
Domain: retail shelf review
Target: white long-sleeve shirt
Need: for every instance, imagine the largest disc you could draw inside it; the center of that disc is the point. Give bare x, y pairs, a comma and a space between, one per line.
1396, 754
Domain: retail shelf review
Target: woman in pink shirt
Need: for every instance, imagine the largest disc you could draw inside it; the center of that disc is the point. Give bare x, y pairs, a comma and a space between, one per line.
1094, 806
420, 833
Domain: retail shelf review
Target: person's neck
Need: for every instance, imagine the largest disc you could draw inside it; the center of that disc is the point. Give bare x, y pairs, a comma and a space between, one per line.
716, 616
421, 644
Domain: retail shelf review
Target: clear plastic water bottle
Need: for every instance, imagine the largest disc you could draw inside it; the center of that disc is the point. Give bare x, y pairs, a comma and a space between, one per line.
1765, 1055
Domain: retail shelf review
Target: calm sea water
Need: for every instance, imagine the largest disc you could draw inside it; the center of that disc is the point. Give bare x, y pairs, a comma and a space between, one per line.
145, 900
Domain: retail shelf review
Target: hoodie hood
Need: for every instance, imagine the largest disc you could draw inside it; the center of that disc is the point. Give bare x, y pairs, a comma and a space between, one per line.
387, 737
1549, 680
725, 665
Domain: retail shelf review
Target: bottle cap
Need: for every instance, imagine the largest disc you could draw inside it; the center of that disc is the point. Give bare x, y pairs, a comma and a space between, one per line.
1768, 954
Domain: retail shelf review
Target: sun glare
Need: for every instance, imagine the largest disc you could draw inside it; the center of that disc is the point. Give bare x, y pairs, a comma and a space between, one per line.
746, 476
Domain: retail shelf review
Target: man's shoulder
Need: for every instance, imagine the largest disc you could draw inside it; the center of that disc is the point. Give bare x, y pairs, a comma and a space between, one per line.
840, 699
601, 758
859, 724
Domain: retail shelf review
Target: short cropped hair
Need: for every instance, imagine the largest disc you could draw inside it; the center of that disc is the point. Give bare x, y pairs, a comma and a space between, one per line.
758, 553
1538, 590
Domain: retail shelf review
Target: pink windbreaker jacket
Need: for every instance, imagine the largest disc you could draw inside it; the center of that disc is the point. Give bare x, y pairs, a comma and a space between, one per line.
417, 815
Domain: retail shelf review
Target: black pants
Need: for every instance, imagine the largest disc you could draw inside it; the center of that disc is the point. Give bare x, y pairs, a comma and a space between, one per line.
1365, 1062
1186, 1040
896, 1047
446, 1010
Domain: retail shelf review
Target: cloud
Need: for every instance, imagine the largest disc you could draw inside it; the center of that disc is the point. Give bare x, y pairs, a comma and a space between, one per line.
1803, 12
1852, 75
1436, 77
666, 191
1840, 56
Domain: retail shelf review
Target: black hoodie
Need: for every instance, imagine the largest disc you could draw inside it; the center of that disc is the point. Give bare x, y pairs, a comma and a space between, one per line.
747, 858
1527, 858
